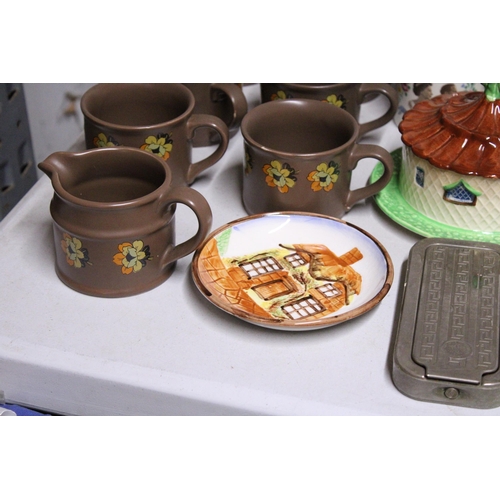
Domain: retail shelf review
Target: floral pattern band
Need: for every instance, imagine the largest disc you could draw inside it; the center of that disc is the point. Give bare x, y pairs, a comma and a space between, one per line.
76, 255
131, 257
160, 145
336, 99
282, 176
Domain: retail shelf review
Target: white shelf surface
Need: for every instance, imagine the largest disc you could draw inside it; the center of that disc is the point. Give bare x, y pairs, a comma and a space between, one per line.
171, 352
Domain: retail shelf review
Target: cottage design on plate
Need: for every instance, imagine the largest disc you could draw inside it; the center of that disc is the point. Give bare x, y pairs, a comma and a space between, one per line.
290, 282
451, 159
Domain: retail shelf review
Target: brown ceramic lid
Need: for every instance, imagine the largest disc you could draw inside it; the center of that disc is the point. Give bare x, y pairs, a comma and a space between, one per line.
460, 133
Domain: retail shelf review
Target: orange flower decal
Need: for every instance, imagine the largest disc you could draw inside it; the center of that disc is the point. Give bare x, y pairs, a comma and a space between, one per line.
76, 256
102, 141
132, 257
280, 176
280, 95
161, 145
324, 177
337, 100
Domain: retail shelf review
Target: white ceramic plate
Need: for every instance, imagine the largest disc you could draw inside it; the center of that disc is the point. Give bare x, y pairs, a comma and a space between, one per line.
292, 270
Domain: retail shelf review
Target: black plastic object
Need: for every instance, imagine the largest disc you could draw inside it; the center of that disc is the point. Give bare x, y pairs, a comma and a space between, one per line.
17, 165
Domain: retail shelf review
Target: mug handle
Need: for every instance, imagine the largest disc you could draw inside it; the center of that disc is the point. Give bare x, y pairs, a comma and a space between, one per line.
237, 99
359, 152
202, 120
199, 205
378, 88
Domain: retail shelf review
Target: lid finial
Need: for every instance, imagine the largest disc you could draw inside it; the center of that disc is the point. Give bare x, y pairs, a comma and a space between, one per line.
492, 91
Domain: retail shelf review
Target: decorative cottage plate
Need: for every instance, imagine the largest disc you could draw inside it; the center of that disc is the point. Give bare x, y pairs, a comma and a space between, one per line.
292, 270
392, 203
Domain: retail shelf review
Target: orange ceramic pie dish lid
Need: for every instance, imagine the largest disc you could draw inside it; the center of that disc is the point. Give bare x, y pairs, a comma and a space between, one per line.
459, 133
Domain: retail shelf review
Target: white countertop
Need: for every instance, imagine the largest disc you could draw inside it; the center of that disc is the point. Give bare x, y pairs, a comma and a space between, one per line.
171, 352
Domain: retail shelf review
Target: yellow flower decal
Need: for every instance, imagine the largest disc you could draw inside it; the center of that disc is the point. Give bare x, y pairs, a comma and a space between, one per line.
76, 256
132, 257
101, 141
337, 100
280, 95
324, 177
161, 145
280, 176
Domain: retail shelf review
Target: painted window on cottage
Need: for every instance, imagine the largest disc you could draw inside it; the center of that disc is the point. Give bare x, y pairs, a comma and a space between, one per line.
295, 260
460, 193
328, 290
303, 308
273, 289
419, 176
259, 267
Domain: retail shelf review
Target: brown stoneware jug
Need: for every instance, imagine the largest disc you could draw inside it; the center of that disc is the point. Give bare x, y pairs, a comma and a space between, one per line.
113, 214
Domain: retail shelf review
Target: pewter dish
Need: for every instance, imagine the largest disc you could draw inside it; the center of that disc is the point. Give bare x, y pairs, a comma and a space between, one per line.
447, 344
292, 270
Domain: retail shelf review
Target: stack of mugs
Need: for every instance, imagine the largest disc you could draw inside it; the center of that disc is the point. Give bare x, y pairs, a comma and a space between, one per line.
114, 204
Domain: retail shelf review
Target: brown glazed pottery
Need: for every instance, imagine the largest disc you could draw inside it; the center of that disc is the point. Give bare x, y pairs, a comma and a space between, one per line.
155, 117
348, 96
450, 169
292, 270
224, 100
113, 220
299, 156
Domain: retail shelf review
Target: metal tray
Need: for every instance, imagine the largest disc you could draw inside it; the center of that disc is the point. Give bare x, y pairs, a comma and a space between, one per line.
447, 343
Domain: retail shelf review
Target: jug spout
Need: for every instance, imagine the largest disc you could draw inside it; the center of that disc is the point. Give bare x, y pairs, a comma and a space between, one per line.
106, 175
56, 165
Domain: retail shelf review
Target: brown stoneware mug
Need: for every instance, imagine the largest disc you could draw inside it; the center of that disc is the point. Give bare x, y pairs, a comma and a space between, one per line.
299, 156
113, 214
224, 100
348, 96
155, 117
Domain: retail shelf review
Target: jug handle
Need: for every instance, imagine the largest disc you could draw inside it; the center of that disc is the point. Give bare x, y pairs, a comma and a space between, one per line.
202, 120
238, 101
390, 93
199, 205
359, 152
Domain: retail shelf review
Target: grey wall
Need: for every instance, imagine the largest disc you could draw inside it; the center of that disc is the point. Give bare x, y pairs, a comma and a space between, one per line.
56, 121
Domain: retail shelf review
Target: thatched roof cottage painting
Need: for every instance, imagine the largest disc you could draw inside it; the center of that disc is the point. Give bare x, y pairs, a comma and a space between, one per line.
289, 282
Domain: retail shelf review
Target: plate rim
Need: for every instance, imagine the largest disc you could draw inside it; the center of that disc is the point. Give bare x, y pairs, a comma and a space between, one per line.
291, 325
